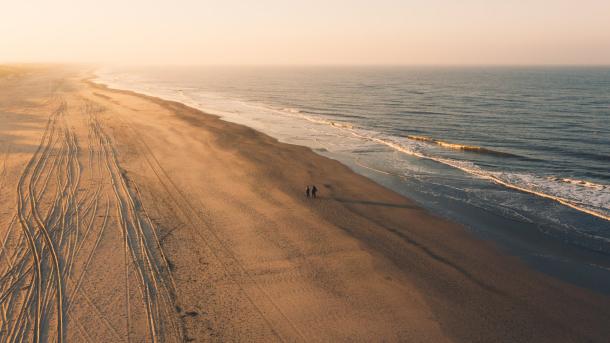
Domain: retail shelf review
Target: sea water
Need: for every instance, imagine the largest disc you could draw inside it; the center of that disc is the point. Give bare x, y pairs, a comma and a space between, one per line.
513, 153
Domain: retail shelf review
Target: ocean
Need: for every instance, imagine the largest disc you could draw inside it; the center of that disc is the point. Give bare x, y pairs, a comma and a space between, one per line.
518, 155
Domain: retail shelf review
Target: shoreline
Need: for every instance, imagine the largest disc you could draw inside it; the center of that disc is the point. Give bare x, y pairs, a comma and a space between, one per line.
535, 185
247, 256
488, 246
553, 255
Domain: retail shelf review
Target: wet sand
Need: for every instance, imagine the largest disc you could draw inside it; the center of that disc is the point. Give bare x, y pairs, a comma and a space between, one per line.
130, 218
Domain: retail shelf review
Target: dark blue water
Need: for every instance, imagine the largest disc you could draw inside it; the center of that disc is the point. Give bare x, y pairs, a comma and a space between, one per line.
529, 147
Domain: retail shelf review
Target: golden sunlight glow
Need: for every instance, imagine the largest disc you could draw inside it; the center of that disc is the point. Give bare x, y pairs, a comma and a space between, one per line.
306, 32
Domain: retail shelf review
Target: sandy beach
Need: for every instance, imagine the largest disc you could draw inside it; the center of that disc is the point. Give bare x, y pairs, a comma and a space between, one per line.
127, 218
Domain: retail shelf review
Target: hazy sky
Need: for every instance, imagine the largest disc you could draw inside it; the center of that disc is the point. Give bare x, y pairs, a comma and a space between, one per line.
306, 31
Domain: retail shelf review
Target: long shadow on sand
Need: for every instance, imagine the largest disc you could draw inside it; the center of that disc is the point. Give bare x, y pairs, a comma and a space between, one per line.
371, 203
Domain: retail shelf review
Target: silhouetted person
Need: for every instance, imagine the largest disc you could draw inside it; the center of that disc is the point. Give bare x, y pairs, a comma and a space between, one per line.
314, 191
307, 191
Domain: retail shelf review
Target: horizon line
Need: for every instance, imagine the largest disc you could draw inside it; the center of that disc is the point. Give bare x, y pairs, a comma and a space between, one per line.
107, 64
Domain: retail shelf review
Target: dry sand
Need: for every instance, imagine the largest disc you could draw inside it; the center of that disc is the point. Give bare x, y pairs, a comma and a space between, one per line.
129, 218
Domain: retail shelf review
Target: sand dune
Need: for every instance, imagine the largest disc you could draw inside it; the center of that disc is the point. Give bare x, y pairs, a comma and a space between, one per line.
129, 218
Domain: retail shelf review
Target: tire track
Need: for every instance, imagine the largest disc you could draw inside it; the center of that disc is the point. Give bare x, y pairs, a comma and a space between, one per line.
141, 248
55, 240
212, 241
36, 264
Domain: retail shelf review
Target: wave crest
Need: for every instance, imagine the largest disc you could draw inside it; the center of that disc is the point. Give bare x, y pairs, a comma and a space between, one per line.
469, 148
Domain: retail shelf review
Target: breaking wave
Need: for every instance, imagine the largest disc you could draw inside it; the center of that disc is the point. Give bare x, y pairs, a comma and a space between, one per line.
580, 195
469, 148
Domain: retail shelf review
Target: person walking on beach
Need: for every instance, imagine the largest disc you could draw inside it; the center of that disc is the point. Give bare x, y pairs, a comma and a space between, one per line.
307, 191
314, 191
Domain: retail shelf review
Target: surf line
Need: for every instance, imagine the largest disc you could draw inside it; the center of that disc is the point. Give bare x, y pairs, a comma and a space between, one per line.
492, 178
398, 147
